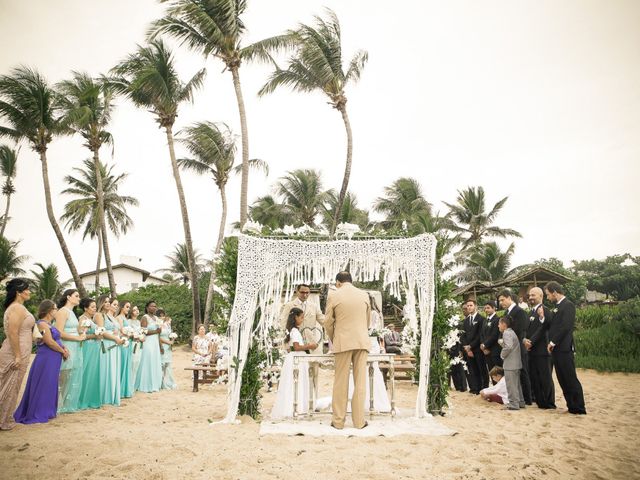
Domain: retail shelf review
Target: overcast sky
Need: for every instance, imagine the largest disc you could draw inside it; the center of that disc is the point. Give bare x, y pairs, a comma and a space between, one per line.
535, 100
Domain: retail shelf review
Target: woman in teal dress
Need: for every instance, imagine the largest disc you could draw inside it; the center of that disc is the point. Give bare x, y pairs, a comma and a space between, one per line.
90, 390
71, 370
137, 342
126, 360
109, 353
149, 377
166, 340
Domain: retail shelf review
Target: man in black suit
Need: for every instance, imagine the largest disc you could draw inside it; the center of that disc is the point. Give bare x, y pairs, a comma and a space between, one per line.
562, 349
489, 336
519, 326
478, 376
539, 358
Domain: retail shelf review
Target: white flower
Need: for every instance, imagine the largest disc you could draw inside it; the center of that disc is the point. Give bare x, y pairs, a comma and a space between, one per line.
254, 227
449, 303
173, 336
454, 321
126, 342
404, 225
100, 330
347, 229
86, 323
451, 339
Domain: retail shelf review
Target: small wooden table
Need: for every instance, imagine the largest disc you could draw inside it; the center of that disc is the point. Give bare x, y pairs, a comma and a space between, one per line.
313, 359
210, 373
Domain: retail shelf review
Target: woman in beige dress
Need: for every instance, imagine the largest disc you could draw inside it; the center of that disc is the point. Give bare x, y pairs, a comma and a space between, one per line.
16, 348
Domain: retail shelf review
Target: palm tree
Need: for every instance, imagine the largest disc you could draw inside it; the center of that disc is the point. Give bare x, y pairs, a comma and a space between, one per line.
179, 263
214, 28
10, 262
149, 78
302, 193
488, 263
87, 105
8, 168
31, 110
46, 282
213, 150
403, 204
84, 212
317, 65
472, 219
270, 213
350, 212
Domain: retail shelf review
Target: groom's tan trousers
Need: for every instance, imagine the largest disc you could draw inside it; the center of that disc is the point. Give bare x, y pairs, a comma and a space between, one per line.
343, 361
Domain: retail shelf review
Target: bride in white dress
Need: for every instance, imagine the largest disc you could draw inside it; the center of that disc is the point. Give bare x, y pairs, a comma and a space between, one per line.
283, 406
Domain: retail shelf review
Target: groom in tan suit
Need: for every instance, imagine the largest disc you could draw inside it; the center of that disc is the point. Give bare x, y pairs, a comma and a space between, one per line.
347, 324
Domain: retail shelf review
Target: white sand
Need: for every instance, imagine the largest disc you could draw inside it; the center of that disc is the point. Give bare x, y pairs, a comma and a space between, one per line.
167, 435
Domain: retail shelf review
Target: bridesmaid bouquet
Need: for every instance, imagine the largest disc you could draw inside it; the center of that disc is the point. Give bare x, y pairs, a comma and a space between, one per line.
126, 343
128, 332
99, 332
173, 336
84, 326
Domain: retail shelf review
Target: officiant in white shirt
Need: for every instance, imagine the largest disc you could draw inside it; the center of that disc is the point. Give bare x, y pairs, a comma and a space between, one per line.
313, 317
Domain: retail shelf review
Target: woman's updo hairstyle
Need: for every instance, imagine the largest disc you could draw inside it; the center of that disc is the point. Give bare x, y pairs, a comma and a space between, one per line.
14, 287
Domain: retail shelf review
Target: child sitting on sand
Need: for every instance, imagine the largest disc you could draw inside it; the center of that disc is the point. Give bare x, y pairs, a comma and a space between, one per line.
498, 391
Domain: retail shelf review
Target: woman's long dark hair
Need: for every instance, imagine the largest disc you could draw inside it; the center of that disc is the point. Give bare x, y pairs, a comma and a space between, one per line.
62, 301
291, 321
15, 286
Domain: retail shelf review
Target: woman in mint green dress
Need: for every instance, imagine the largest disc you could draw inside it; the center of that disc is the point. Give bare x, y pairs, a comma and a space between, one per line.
137, 343
109, 352
70, 370
90, 390
126, 360
149, 377
166, 340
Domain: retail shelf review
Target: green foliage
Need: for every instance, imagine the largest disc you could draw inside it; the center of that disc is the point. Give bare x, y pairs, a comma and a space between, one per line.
628, 316
608, 348
46, 283
616, 275
252, 382
10, 262
595, 316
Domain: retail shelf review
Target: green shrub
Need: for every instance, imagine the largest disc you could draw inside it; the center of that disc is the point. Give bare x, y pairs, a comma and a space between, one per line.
608, 348
595, 316
628, 315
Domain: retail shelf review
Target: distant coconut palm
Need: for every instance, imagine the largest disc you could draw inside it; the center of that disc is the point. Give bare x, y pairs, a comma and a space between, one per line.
8, 169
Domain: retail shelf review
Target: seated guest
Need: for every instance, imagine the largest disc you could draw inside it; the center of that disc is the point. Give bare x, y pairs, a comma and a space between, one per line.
201, 347
498, 391
393, 341
40, 399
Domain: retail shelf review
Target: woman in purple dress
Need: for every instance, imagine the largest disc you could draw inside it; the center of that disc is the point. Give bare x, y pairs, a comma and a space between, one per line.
39, 402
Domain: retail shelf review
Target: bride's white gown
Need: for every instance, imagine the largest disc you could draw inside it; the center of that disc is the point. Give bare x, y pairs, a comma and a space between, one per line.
381, 401
283, 406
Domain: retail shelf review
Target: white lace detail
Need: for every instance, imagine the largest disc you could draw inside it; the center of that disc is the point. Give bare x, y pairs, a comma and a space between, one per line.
267, 266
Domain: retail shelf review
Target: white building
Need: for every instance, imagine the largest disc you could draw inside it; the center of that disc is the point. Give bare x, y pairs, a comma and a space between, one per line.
128, 275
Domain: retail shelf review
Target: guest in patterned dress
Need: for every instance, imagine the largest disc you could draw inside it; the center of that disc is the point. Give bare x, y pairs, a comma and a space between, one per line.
168, 382
149, 377
126, 360
109, 359
39, 402
134, 322
90, 391
16, 348
201, 347
71, 370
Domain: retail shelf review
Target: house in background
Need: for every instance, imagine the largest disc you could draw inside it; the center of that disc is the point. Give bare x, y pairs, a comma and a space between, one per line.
128, 275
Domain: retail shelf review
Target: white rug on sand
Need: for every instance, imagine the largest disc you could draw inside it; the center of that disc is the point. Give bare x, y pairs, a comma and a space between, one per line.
320, 426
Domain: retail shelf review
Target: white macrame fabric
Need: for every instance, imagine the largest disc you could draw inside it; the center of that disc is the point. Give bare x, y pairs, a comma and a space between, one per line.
267, 266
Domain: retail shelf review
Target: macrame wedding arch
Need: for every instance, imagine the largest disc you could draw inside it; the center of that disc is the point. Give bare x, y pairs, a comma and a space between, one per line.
267, 266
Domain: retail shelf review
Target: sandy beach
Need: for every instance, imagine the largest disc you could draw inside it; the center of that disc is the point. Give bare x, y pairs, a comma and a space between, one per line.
168, 435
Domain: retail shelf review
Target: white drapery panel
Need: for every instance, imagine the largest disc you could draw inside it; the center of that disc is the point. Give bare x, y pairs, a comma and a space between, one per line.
267, 266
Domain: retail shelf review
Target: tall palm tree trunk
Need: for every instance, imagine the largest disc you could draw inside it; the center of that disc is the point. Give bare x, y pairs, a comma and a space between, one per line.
98, 263
56, 227
103, 226
347, 169
193, 274
244, 183
5, 219
212, 278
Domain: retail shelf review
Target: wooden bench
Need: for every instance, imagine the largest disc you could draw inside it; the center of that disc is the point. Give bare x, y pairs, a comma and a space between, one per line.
204, 374
404, 366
